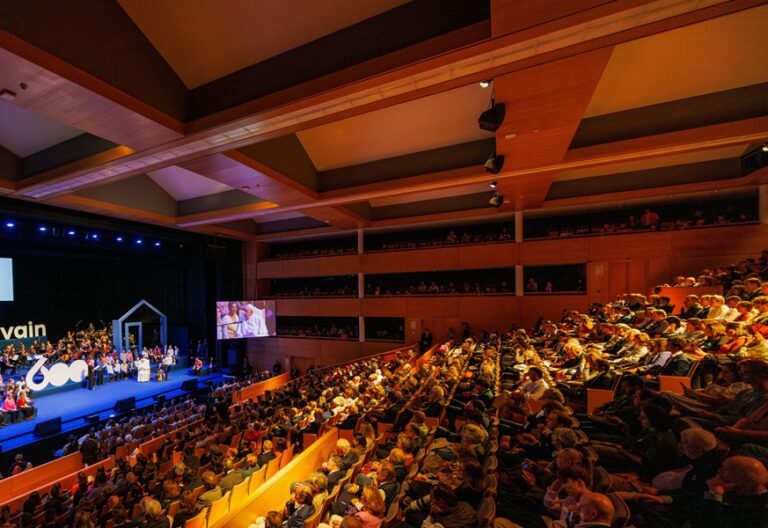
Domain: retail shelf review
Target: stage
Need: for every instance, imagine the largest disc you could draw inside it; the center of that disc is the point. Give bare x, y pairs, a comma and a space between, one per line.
74, 404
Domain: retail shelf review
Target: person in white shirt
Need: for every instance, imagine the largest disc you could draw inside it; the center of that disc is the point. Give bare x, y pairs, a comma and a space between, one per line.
255, 324
534, 389
231, 322
717, 308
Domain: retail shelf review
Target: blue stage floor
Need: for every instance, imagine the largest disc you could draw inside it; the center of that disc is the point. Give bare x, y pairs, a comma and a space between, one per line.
75, 404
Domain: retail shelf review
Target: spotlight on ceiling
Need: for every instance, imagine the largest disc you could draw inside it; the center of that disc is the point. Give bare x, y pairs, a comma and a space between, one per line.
496, 200
764, 148
119, 239
494, 185
494, 164
492, 118
486, 83
10, 225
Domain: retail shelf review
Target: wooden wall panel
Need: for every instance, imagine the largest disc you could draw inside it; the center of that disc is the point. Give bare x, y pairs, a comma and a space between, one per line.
625, 247
488, 256
384, 306
636, 275
447, 306
318, 306
413, 260
556, 251
315, 267
599, 281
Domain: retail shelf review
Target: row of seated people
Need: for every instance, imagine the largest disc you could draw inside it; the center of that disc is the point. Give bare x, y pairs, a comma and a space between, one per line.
331, 330
314, 289
478, 234
663, 219
412, 477
250, 428
15, 403
695, 457
435, 287
743, 278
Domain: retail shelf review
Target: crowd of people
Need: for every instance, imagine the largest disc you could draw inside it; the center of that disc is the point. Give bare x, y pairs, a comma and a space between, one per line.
325, 287
660, 218
325, 327
493, 423
464, 282
469, 234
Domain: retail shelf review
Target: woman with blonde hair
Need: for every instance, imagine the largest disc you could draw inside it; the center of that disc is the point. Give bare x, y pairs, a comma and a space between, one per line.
371, 507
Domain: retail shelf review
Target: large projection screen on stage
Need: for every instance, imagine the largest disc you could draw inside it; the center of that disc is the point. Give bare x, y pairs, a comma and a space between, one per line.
6, 279
245, 319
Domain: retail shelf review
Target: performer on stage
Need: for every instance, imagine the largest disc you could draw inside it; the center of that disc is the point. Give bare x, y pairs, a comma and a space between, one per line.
198, 366
166, 364
144, 369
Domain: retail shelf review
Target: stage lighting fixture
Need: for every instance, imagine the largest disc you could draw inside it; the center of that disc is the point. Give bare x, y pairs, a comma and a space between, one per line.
42, 229
496, 200
492, 118
119, 239
494, 164
139, 241
494, 185
765, 147
157, 244
71, 233
486, 83
10, 225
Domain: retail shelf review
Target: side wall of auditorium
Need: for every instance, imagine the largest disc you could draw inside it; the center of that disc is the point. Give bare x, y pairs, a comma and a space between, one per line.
615, 264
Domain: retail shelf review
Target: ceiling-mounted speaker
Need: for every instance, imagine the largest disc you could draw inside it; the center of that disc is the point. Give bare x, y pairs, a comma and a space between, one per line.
492, 118
494, 164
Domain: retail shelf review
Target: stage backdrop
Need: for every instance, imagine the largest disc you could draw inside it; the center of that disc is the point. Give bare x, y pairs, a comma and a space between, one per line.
59, 285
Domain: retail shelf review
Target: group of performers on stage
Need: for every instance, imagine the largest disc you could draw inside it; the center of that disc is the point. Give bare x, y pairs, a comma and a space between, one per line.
126, 364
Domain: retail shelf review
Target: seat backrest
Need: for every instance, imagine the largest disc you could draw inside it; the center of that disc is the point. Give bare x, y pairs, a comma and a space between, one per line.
286, 456
486, 512
219, 508
491, 485
273, 466
313, 520
173, 508
393, 514
491, 464
257, 479
239, 494
620, 511
198, 521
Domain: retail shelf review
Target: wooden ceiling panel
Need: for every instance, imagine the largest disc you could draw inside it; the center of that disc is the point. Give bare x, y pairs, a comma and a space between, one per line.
241, 172
544, 106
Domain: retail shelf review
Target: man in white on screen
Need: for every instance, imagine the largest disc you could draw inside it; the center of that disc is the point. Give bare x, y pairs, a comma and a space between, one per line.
255, 323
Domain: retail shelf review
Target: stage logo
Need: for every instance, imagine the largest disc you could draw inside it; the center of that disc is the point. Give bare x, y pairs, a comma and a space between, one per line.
23, 331
57, 375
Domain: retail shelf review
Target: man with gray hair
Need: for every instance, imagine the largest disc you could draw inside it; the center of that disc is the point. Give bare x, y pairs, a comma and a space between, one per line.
255, 324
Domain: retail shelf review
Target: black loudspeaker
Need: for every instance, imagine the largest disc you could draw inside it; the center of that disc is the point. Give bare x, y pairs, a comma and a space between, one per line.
492, 118
123, 406
189, 385
48, 427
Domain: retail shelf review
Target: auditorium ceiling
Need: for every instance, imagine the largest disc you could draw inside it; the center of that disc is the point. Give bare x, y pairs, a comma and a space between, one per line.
263, 120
